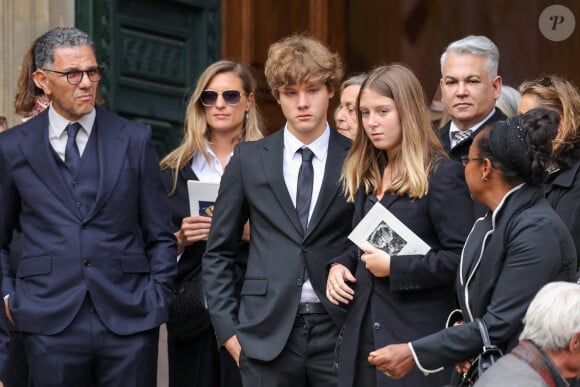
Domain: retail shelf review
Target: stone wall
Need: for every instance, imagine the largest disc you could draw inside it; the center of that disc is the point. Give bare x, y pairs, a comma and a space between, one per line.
21, 21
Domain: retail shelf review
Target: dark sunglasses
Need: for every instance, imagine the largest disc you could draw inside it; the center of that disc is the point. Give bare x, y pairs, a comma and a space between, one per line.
209, 97
545, 81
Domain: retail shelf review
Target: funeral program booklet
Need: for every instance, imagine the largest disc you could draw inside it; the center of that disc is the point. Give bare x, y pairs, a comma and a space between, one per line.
202, 196
381, 229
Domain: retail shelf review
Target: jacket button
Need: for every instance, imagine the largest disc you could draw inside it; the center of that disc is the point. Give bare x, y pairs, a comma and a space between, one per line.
376, 326
86, 263
78, 205
303, 248
75, 184
299, 282
83, 226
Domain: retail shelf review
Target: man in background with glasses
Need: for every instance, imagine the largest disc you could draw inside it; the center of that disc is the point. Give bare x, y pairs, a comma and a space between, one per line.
283, 330
97, 266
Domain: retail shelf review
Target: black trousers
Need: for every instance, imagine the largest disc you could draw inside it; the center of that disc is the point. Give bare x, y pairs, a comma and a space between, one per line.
199, 362
306, 361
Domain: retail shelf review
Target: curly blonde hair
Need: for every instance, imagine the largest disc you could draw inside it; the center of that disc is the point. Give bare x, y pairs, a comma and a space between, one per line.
301, 59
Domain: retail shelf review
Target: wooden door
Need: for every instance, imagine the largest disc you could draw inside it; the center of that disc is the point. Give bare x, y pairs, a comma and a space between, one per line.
153, 52
250, 26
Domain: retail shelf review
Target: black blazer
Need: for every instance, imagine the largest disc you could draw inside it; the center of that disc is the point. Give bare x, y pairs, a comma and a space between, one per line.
463, 148
416, 298
253, 188
563, 193
526, 246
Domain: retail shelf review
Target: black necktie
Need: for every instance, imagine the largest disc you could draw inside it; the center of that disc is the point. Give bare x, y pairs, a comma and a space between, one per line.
71, 152
304, 190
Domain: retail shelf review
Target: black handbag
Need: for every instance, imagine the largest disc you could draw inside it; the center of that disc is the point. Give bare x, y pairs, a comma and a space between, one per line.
188, 314
484, 360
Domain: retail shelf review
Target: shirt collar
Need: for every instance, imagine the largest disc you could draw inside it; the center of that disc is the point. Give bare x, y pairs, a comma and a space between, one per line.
319, 146
58, 124
453, 128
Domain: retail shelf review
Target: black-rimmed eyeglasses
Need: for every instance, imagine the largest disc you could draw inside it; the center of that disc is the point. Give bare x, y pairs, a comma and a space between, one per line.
74, 77
466, 159
209, 97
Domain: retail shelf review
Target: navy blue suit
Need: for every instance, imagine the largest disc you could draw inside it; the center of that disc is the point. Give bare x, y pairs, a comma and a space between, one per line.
106, 237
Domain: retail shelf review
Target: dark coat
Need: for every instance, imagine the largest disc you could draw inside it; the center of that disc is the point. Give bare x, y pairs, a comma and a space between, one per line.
416, 298
526, 246
121, 251
197, 358
463, 148
253, 188
563, 193
190, 260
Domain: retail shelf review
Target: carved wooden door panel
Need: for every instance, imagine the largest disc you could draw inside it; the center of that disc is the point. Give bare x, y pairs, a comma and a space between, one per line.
153, 52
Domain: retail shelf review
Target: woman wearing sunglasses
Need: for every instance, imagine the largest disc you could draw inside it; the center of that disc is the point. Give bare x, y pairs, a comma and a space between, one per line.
220, 113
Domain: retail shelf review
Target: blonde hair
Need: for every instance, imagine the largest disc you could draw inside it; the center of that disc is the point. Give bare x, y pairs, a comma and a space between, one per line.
299, 59
196, 130
420, 149
559, 95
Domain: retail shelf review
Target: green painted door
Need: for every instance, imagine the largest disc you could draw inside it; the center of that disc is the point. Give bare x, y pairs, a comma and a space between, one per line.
153, 52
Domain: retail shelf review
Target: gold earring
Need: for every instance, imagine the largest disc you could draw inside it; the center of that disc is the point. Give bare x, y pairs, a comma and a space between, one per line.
484, 178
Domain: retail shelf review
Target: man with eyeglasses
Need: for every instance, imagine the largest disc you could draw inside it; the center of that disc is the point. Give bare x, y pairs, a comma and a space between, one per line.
97, 266
282, 330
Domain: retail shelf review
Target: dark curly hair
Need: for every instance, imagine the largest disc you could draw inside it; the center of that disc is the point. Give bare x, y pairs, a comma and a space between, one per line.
521, 146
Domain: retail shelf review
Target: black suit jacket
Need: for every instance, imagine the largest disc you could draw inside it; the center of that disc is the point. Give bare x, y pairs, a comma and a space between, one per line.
253, 188
563, 193
415, 299
463, 148
525, 247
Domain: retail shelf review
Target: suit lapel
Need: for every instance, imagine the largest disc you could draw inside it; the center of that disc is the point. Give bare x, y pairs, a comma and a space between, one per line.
272, 160
443, 135
338, 147
186, 173
41, 158
112, 146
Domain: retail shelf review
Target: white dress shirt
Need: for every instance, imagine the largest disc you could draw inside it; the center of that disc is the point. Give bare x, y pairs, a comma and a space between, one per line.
291, 167
209, 171
57, 134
